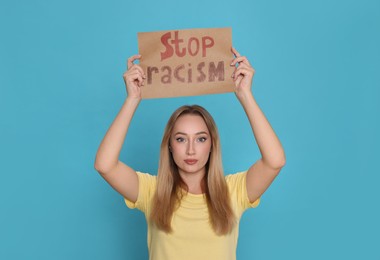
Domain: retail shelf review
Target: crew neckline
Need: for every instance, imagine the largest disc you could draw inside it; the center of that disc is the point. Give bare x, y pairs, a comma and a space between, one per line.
196, 195
192, 194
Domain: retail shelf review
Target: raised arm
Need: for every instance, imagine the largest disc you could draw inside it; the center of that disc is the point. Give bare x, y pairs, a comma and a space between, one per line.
262, 173
120, 176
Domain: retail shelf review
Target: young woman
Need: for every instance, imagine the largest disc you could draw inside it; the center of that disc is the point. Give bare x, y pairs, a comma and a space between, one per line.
192, 209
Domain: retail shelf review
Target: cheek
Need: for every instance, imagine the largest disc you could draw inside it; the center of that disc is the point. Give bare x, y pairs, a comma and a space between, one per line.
208, 148
175, 149
176, 152
206, 152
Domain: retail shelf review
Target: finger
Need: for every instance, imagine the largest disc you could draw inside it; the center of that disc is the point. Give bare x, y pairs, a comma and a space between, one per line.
137, 79
244, 68
132, 76
235, 52
137, 68
132, 59
238, 80
240, 59
140, 81
242, 72
134, 69
243, 65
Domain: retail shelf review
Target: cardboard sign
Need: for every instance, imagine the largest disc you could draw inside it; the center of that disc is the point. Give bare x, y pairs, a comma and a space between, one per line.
186, 62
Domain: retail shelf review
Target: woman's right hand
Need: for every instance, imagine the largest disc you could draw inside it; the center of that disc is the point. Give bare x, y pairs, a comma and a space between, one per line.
134, 78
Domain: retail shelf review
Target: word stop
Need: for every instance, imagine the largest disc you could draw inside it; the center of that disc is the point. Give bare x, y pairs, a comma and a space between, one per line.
180, 48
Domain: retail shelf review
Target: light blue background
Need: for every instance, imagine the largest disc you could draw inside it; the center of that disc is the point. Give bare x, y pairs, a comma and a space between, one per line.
317, 80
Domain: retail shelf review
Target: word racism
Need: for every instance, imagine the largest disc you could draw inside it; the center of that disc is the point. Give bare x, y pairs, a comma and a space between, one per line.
186, 72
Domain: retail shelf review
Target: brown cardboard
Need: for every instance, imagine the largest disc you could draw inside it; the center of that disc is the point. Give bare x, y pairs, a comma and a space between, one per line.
186, 62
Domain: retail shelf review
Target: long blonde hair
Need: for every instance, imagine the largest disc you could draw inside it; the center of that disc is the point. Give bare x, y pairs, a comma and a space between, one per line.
169, 183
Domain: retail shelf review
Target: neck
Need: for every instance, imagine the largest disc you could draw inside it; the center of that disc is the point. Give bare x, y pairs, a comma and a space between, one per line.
194, 182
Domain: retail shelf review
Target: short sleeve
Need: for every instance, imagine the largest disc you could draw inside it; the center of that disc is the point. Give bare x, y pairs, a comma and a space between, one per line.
147, 186
238, 192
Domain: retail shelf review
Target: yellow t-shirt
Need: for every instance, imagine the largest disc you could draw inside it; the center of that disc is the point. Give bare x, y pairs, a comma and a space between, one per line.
193, 237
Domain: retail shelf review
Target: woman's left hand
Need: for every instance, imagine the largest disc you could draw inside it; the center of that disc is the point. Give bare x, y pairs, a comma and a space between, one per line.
242, 75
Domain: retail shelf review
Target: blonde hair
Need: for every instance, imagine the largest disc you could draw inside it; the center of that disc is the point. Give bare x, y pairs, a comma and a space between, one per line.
169, 183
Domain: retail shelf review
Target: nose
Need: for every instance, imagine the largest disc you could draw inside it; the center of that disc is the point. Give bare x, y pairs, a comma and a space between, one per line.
190, 148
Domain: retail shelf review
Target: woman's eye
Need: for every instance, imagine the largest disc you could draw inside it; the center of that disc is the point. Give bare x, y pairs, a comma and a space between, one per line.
202, 139
180, 139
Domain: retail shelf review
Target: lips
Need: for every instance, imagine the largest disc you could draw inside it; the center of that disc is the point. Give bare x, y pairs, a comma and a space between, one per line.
191, 161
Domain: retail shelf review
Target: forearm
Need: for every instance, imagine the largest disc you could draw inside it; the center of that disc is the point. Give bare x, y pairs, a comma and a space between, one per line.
110, 147
269, 145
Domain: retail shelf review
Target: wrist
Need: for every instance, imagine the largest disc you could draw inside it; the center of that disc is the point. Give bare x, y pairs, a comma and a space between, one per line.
245, 96
132, 100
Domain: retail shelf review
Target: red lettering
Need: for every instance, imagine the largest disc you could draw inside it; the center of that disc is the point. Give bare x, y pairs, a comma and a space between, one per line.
150, 76
184, 73
166, 79
216, 71
176, 73
169, 50
190, 74
202, 76
176, 42
193, 39
206, 45
175, 45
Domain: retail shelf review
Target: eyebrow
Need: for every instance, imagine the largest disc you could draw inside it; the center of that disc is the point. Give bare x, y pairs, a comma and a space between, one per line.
199, 133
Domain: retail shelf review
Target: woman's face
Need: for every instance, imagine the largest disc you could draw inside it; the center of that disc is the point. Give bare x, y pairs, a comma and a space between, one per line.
190, 144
